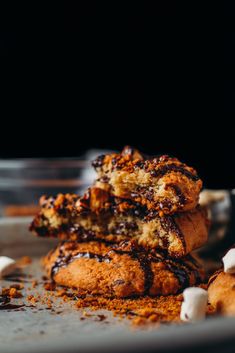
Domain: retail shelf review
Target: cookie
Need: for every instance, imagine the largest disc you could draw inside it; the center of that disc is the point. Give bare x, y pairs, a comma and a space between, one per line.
221, 293
97, 215
161, 183
122, 270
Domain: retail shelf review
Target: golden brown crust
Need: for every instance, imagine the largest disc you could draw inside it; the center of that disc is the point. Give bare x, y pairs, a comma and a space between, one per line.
221, 293
119, 271
162, 183
97, 216
194, 226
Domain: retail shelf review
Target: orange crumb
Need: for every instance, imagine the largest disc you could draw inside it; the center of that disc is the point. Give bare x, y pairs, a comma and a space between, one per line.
49, 303
24, 261
60, 292
49, 286
34, 284
65, 298
32, 299
11, 292
14, 293
141, 311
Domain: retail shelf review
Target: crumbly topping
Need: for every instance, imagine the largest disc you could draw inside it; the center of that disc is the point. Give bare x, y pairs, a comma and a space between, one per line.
130, 160
140, 311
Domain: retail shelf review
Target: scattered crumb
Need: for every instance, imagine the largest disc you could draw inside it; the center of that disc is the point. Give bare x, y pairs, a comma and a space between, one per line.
65, 298
50, 286
61, 292
32, 299
11, 292
24, 261
142, 321
34, 284
14, 293
101, 317
85, 314
140, 311
49, 303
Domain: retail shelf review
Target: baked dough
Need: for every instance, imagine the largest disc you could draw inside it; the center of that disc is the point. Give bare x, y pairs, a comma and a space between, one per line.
99, 216
123, 270
162, 183
221, 293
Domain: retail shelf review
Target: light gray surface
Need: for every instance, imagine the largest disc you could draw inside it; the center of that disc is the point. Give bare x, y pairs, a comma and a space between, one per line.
46, 331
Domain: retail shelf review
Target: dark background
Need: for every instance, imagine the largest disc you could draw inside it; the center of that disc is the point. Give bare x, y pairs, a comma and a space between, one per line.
91, 75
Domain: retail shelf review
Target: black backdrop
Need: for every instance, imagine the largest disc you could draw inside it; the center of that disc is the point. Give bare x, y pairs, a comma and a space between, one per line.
159, 77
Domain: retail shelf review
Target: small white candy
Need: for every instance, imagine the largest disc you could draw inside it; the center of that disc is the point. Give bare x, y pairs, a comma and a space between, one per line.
194, 305
7, 265
229, 261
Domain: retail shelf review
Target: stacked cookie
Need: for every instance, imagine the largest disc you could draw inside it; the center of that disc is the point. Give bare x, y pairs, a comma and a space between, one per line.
132, 232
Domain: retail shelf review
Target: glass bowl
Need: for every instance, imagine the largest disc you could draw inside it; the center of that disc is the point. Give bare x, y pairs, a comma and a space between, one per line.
23, 181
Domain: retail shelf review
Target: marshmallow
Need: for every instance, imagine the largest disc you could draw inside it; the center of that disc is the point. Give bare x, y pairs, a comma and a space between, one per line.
194, 305
229, 261
7, 265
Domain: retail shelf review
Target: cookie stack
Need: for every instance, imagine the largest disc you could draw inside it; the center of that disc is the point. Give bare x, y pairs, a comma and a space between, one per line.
132, 232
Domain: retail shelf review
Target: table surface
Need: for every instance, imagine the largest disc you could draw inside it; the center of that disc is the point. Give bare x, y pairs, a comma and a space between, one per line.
41, 330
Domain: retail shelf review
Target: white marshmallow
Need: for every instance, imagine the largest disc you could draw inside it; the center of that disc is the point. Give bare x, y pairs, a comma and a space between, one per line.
229, 261
194, 305
7, 266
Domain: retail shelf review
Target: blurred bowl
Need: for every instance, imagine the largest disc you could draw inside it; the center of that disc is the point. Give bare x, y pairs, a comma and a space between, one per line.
23, 181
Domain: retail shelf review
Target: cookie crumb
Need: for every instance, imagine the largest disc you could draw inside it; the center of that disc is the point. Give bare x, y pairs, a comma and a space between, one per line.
32, 299
49, 286
140, 311
24, 261
11, 292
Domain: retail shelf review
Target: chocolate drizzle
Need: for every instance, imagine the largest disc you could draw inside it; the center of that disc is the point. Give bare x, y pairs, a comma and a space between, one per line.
178, 193
157, 167
169, 224
64, 260
5, 304
214, 276
145, 259
145, 264
81, 233
167, 168
180, 269
124, 228
42, 231
4, 300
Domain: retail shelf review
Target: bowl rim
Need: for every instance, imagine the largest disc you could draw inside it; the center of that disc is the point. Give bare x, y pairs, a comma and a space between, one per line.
47, 163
